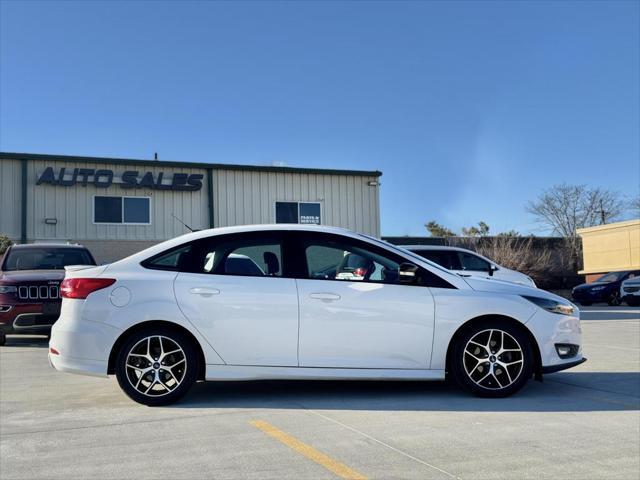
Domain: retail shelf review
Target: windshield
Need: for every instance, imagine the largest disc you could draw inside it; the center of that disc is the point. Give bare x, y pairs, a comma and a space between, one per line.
46, 258
610, 277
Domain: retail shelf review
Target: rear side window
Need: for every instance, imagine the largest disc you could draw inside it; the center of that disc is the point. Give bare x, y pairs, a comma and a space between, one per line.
176, 259
243, 255
257, 258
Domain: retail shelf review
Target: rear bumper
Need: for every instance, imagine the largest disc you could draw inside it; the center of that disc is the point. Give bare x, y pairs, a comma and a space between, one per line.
83, 346
563, 366
82, 366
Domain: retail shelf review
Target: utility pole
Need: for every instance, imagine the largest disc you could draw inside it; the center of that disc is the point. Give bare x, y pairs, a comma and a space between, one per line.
603, 217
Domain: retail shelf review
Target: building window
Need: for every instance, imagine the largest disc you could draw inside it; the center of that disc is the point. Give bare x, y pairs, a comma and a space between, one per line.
298, 212
126, 210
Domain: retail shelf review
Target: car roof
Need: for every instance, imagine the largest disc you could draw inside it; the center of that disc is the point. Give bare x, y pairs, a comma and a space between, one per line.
435, 247
26, 246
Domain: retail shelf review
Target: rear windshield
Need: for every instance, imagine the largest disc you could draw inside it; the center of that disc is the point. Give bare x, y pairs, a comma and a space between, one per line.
45, 258
610, 277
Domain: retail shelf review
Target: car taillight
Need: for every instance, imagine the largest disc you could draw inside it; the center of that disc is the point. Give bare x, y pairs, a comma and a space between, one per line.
82, 287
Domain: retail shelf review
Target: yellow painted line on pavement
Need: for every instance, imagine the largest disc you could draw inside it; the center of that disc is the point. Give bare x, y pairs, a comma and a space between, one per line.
338, 468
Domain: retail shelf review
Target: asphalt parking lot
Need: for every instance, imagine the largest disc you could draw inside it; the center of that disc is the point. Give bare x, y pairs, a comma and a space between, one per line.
583, 423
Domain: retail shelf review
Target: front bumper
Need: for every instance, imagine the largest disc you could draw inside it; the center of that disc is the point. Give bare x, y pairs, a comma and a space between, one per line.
28, 318
563, 366
551, 329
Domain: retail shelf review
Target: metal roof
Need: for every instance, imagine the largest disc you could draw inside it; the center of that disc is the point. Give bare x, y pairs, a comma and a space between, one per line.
171, 163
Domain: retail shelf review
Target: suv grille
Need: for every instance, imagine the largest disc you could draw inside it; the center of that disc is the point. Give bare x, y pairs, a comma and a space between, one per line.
38, 292
631, 289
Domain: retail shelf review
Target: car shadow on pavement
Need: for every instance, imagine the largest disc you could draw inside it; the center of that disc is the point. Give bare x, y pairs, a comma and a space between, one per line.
566, 392
34, 341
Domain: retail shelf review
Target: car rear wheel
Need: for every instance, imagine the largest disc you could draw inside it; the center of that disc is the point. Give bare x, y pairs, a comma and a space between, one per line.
614, 299
157, 366
492, 360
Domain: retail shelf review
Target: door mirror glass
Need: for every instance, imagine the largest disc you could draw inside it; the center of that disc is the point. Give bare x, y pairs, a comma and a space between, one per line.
408, 273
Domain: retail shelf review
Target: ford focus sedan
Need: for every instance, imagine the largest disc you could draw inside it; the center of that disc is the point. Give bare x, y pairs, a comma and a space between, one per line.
303, 302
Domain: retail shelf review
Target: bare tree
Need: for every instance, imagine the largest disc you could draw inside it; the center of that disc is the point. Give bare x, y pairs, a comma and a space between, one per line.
565, 208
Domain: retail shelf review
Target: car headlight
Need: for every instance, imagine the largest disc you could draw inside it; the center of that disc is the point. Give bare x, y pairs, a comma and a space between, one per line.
552, 305
8, 289
596, 289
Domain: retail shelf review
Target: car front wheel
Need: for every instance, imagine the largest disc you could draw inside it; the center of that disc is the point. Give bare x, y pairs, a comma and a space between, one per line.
157, 366
492, 360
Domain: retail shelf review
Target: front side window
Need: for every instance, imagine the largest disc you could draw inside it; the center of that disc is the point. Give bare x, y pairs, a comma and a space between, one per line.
124, 210
473, 263
336, 260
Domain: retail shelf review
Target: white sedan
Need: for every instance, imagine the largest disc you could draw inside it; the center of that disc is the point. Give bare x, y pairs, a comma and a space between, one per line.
302, 302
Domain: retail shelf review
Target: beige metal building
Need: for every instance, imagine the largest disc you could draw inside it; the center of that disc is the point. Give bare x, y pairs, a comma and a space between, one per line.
614, 247
118, 206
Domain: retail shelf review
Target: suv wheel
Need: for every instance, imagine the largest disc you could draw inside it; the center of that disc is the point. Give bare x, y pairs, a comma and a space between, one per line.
492, 360
633, 301
156, 366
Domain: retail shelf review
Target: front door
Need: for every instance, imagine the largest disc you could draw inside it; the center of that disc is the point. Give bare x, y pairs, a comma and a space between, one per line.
237, 297
353, 311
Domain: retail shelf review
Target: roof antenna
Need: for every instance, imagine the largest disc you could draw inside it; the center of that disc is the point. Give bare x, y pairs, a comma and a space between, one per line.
184, 224
155, 156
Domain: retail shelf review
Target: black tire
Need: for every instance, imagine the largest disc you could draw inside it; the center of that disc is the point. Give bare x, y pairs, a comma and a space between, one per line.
3, 338
586, 304
614, 299
632, 301
497, 382
168, 390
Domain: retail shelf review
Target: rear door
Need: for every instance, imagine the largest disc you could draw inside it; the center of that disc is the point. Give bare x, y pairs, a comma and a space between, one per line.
236, 295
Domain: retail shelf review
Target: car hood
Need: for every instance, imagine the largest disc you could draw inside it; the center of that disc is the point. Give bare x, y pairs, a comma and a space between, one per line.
499, 286
587, 286
31, 275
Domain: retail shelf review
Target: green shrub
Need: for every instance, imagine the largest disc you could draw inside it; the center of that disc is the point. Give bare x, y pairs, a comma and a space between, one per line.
5, 242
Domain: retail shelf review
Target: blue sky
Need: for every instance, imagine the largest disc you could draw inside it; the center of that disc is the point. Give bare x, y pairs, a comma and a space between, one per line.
469, 109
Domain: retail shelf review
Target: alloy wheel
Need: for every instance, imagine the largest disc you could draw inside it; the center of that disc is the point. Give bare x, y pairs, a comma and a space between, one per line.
156, 366
493, 359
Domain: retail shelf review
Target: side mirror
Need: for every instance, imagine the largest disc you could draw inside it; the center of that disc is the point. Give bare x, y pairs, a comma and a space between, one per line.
407, 273
491, 269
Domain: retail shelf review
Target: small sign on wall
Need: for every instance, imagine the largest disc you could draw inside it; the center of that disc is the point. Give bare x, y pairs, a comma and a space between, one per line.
308, 213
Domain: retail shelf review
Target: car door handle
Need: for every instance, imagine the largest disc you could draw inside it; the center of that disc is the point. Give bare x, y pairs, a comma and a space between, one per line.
204, 291
326, 297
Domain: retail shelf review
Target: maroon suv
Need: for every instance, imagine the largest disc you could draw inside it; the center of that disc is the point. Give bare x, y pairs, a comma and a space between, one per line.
30, 277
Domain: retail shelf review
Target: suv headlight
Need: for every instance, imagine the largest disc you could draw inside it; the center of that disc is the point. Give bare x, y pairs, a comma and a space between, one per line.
552, 305
8, 289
